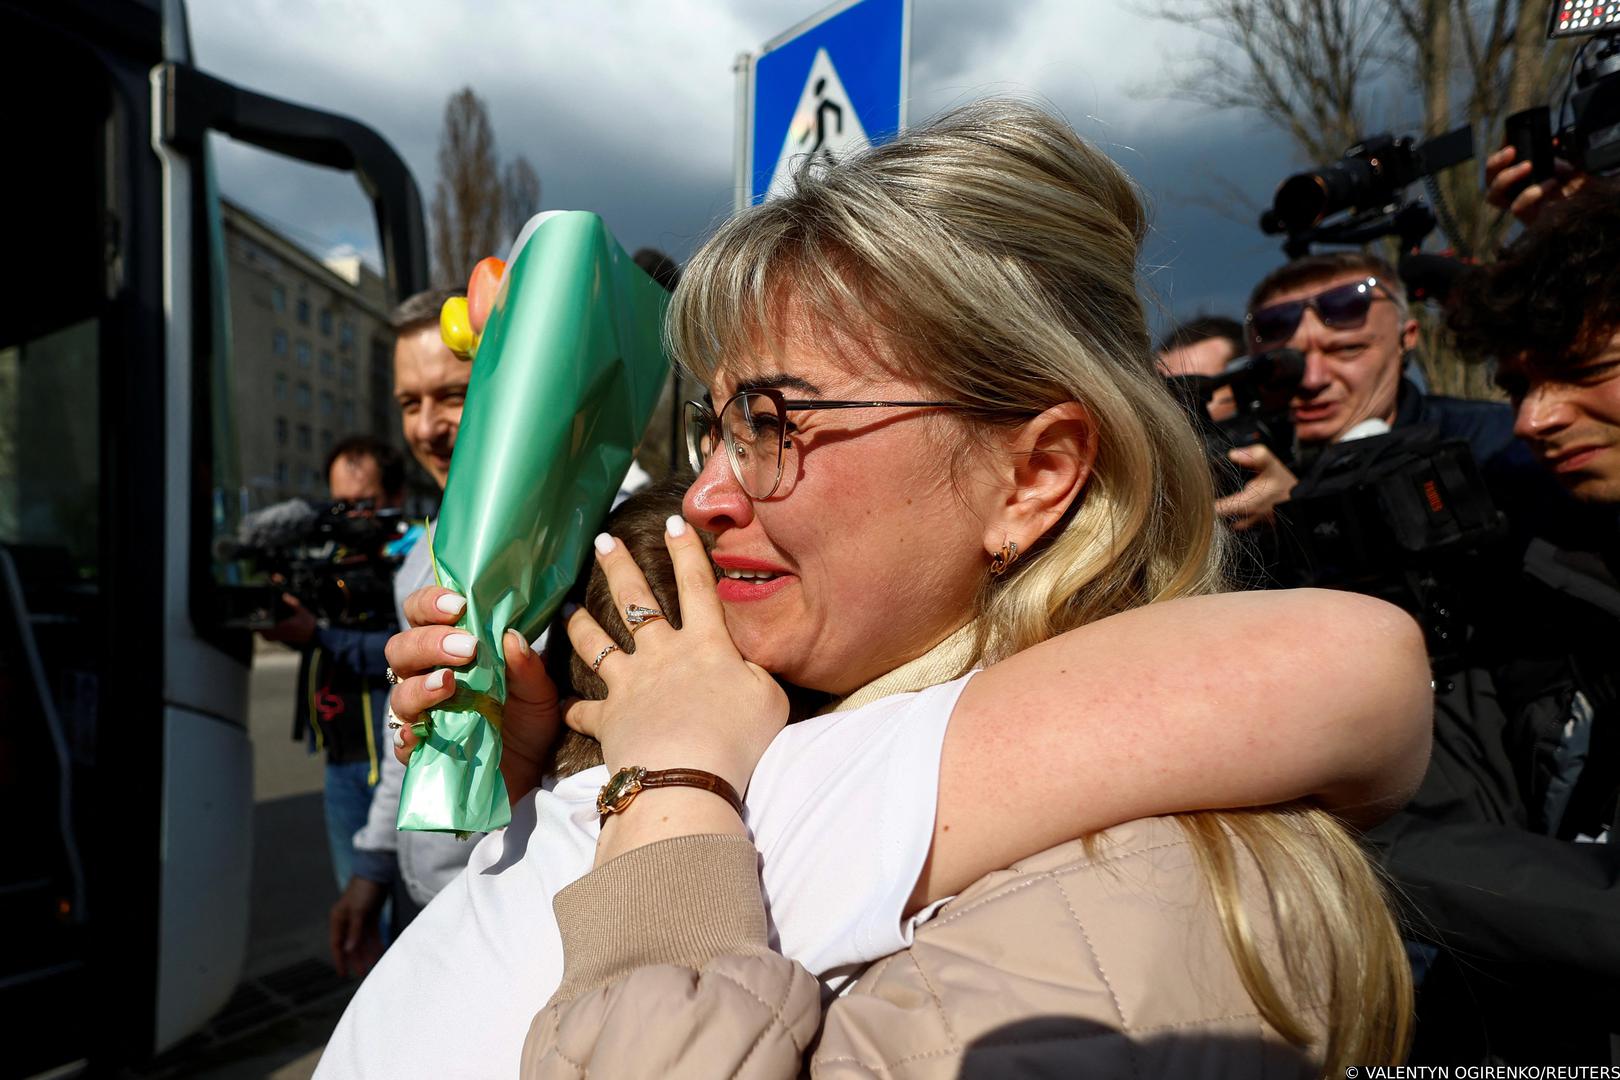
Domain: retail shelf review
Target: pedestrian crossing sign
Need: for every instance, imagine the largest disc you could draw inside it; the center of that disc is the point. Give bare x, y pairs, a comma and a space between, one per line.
826, 89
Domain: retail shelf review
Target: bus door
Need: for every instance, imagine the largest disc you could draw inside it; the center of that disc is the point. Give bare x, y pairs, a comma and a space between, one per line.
125, 768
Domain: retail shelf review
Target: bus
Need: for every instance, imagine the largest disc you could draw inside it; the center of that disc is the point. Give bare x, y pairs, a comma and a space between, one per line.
125, 766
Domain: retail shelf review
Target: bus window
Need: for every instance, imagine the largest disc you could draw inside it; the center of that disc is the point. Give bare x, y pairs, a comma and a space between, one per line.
49, 444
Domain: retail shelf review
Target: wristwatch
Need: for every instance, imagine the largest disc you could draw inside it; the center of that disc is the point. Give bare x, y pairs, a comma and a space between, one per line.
623, 787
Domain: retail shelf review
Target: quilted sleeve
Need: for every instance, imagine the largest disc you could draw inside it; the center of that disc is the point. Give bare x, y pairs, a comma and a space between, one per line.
667, 972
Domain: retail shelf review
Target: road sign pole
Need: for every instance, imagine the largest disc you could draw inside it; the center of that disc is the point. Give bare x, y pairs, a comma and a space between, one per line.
742, 158
905, 61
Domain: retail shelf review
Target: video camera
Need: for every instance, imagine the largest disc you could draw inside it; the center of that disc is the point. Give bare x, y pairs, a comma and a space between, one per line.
1262, 386
1403, 516
1368, 186
1591, 139
335, 558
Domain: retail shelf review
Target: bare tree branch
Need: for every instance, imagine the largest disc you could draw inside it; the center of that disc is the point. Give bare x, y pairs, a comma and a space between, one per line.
520, 194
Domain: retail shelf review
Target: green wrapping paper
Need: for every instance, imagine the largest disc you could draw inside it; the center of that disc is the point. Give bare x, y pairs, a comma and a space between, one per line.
568, 371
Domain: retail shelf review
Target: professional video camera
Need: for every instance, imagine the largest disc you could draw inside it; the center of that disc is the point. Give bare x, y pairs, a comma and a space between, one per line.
1403, 516
1261, 388
1590, 141
1367, 188
335, 558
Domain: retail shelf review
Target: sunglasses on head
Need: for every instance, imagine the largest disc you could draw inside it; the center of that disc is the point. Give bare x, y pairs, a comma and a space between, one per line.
1343, 307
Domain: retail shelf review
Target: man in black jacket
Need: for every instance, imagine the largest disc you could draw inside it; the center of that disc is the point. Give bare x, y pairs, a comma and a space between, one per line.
1508, 854
1347, 313
342, 687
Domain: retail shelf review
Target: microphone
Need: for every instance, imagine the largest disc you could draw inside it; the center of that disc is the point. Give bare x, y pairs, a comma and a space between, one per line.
281, 524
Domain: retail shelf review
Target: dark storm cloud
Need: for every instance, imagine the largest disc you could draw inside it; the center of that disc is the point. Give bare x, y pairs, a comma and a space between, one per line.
629, 110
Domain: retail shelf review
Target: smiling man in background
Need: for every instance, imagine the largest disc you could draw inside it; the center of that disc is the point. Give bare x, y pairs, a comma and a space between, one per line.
1510, 852
430, 385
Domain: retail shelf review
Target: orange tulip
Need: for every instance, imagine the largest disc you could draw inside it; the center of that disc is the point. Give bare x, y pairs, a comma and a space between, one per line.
482, 289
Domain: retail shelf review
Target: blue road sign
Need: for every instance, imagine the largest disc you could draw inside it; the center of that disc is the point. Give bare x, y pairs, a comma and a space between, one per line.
830, 86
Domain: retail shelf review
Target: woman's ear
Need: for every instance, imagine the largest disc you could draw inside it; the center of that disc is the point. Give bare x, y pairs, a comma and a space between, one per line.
1047, 464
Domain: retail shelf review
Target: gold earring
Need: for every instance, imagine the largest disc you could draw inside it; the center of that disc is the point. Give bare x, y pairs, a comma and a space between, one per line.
1001, 560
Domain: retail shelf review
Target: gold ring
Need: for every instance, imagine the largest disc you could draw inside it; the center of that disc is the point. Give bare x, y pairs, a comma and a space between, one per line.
603, 655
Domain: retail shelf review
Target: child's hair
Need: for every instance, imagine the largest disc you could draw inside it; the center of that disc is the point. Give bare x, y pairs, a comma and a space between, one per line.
639, 524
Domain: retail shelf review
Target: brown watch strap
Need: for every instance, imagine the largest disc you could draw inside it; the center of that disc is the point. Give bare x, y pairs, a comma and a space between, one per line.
697, 778
623, 787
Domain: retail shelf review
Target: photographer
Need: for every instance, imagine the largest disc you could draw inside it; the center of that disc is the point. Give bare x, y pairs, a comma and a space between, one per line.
343, 690
1203, 346
1347, 313
1508, 852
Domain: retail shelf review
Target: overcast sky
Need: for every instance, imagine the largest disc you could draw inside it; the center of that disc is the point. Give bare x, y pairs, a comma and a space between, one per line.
627, 108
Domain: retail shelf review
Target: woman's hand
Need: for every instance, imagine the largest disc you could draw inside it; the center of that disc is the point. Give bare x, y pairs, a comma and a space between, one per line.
421, 658
684, 699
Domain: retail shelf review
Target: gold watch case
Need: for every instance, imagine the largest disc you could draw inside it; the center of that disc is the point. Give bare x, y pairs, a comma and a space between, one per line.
621, 788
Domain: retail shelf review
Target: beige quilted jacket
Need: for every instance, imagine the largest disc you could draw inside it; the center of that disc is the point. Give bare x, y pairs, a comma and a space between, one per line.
1064, 965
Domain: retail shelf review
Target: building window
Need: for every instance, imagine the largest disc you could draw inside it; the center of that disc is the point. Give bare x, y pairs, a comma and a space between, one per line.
303, 312
303, 395
278, 299
326, 438
281, 387
281, 472
281, 431
278, 343
326, 321
346, 334
346, 373
327, 365
348, 414
303, 354
312, 480
303, 436
327, 404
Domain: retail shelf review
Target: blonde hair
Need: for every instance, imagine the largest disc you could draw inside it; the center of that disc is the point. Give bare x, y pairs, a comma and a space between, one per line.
993, 252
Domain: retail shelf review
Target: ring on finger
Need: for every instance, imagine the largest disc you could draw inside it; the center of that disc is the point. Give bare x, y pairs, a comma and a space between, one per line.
393, 680
636, 616
610, 647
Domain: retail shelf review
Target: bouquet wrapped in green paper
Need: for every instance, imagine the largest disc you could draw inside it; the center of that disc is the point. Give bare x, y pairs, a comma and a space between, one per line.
567, 372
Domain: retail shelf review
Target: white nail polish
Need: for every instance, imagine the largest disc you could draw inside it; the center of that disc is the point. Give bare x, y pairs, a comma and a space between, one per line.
399, 740
604, 544
451, 604
519, 642
460, 644
435, 681
676, 525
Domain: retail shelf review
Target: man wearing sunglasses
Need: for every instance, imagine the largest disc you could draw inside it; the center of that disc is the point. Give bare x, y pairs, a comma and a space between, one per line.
1347, 313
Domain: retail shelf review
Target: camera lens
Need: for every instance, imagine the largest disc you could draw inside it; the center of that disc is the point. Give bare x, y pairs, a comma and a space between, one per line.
1305, 199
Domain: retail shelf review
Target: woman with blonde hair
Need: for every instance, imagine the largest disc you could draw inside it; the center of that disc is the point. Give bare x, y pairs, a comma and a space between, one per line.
947, 488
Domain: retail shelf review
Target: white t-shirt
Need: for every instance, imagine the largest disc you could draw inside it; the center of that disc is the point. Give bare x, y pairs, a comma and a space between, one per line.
841, 808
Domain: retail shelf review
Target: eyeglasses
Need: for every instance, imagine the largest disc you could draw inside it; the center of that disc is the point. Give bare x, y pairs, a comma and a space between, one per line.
1343, 307
753, 426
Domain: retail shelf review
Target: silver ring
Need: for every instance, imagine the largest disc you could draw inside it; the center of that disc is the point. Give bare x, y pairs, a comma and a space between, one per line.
603, 655
393, 680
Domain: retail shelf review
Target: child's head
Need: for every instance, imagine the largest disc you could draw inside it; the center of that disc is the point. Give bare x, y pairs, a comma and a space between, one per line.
639, 524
